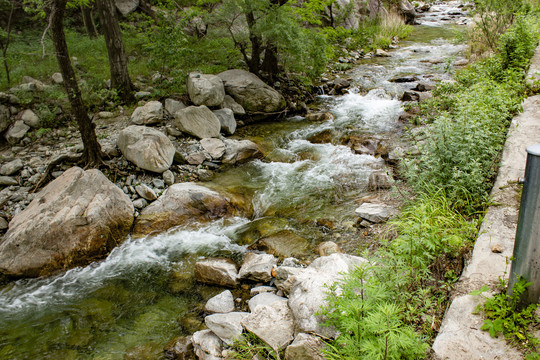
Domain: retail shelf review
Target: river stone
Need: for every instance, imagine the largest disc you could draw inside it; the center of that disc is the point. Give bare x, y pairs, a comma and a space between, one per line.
140, 203
147, 148
272, 323
7, 181
407, 10
221, 303
228, 327
207, 345
265, 298
282, 244
180, 348
257, 267
180, 203
205, 89
229, 103
261, 290
172, 106
286, 277
216, 271
75, 219
251, 92
150, 113
5, 119
327, 248
168, 177
126, 7
214, 147
227, 120
3, 224
11, 167
198, 121
16, 132
238, 151
305, 347
146, 192
30, 118
309, 291
376, 213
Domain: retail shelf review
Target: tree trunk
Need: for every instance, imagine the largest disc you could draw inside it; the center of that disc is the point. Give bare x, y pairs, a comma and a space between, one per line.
6, 45
254, 63
88, 21
270, 62
92, 148
120, 79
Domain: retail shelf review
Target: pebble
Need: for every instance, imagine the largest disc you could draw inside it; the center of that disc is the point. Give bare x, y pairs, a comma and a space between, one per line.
168, 177
3, 224
11, 167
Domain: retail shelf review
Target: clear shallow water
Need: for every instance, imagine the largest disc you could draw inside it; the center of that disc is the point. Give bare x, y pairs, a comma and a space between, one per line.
143, 294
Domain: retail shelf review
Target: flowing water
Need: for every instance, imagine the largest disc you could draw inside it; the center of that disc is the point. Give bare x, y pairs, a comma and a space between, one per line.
143, 294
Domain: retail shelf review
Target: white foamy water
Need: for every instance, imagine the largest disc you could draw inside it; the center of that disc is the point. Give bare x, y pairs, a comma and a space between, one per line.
132, 256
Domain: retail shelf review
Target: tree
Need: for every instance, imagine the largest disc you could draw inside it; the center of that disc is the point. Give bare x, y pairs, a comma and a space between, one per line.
92, 149
5, 36
88, 20
120, 79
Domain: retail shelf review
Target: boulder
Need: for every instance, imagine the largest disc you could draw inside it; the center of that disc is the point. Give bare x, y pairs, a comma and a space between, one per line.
305, 347
221, 303
376, 213
16, 132
272, 323
214, 147
75, 219
327, 248
5, 119
146, 192
180, 348
11, 167
168, 177
204, 89
7, 181
227, 120
309, 291
238, 151
30, 118
407, 10
148, 114
147, 148
283, 243
251, 92
265, 298
172, 106
229, 103
228, 327
216, 271
180, 203
198, 121
257, 267
126, 7
207, 345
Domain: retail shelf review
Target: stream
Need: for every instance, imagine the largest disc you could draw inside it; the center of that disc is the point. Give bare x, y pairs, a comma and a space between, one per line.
143, 294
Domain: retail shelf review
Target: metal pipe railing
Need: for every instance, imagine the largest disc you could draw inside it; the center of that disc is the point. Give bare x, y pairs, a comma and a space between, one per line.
526, 258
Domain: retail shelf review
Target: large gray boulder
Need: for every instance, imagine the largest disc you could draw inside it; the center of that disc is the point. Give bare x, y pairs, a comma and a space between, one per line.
204, 89
407, 10
305, 347
257, 267
309, 291
238, 151
126, 7
221, 303
227, 120
150, 113
216, 271
30, 118
75, 219
251, 92
228, 327
198, 121
16, 132
147, 148
206, 345
181, 203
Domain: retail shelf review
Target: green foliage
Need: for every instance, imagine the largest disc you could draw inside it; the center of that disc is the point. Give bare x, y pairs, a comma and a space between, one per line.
504, 315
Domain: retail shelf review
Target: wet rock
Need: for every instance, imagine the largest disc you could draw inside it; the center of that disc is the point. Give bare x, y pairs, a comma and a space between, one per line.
424, 86
7, 181
379, 181
207, 345
305, 347
308, 293
149, 351
172, 106
327, 248
204, 89
381, 53
218, 271
74, 219
168, 177
272, 323
214, 147
150, 113
251, 92
30, 119
5, 119
147, 148
221, 303
410, 95
229, 103
282, 244
266, 298
126, 7
11, 167
404, 79
407, 10
228, 327
256, 229
375, 213
257, 267
238, 151
16, 132
320, 116
198, 121
180, 203
146, 192
227, 120
180, 348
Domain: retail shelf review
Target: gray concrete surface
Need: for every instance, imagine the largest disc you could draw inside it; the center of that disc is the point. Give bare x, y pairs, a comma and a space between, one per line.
460, 336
